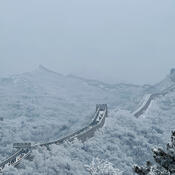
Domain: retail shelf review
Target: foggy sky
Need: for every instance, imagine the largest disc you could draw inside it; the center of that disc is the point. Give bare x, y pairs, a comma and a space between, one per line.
111, 40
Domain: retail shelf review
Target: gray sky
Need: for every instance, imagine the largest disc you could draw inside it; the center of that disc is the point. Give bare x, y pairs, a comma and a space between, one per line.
111, 40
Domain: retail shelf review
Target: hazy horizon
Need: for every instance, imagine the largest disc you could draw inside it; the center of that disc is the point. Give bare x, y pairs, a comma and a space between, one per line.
112, 41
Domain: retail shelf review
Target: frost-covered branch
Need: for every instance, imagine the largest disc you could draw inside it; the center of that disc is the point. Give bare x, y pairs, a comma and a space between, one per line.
102, 167
164, 159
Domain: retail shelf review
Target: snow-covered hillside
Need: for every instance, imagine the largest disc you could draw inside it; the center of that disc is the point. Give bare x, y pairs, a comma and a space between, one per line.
167, 82
44, 105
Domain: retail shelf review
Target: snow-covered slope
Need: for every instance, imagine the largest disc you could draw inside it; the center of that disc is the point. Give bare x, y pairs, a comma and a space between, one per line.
167, 82
43, 105
123, 141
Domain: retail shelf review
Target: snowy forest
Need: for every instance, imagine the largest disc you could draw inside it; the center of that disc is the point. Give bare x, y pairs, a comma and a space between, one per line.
37, 99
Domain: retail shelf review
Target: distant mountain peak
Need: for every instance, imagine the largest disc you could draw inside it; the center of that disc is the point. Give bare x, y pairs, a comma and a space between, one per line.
44, 69
172, 71
172, 74
41, 67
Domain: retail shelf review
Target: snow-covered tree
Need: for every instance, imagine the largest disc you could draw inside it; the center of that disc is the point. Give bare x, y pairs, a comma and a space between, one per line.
165, 161
102, 167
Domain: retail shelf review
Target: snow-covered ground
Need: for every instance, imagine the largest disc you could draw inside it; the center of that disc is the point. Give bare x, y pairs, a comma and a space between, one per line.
44, 105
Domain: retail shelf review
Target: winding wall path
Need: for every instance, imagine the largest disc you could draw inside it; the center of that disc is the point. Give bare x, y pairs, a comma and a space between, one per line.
147, 103
83, 134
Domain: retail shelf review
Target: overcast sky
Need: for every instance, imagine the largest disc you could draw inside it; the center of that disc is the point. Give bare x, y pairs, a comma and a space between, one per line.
111, 40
